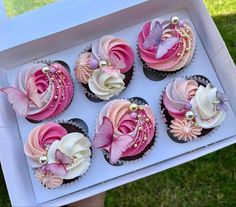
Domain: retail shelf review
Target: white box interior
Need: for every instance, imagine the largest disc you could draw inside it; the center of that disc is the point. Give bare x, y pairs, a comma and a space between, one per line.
203, 64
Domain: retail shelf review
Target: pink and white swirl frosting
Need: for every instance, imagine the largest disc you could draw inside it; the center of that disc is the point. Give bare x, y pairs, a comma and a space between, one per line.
52, 87
172, 51
178, 95
109, 57
40, 139
57, 155
136, 122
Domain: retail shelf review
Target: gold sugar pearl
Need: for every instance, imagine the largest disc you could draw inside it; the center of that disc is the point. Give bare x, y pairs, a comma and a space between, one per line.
139, 116
140, 128
196, 124
174, 20
45, 69
43, 160
185, 35
147, 119
56, 97
133, 107
140, 108
135, 145
189, 115
103, 63
145, 138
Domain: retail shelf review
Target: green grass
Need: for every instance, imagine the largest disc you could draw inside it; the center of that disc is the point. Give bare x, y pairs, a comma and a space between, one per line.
15, 7
209, 181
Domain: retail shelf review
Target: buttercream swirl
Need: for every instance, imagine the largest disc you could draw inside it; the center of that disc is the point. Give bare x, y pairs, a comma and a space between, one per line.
178, 95
176, 57
138, 124
54, 88
204, 106
76, 146
83, 70
105, 85
40, 139
104, 68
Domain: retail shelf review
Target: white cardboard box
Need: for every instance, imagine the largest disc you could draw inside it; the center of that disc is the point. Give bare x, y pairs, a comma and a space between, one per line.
70, 27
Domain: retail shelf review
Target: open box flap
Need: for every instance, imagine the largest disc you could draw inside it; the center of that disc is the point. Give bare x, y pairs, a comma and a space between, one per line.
56, 17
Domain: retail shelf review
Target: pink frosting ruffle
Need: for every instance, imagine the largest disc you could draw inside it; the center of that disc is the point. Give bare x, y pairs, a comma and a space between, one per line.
109, 46
124, 123
176, 57
177, 96
41, 138
61, 91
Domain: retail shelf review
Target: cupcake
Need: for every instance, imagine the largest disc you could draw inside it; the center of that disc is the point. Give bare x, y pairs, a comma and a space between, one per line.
58, 153
165, 47
105, 69
125, 130
191, 108
41, 91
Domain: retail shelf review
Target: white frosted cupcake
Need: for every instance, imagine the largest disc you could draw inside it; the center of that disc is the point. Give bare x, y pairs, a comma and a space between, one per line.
106, 68
192, 108
59, 153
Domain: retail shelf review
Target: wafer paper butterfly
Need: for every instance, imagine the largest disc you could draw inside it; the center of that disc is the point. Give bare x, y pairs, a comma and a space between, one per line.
59, 168
115, 66
22, 100
221, 106
104, 139
154, 39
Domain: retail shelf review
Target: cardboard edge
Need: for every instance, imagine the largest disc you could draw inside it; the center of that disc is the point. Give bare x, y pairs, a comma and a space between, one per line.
148, 171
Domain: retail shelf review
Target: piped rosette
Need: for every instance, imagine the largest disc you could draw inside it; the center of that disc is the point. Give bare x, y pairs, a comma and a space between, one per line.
59, 153
125, 130
166, 46
105, 69
41, 91
192, 107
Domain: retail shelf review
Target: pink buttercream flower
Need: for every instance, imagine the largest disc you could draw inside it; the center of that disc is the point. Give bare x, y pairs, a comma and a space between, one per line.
49, 180
184, 130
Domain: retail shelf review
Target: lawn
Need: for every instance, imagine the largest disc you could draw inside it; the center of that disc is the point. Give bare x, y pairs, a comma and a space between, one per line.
208, 181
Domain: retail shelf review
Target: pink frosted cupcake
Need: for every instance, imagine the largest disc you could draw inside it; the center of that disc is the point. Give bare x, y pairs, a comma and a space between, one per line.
58, 153
192, 108
125, 130
165, 47
106, 69
41, 90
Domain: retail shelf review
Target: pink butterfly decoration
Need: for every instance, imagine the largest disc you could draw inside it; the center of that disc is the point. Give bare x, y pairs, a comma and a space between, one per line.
104, 138
116, 66
19, 100
154, 40
59, 168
